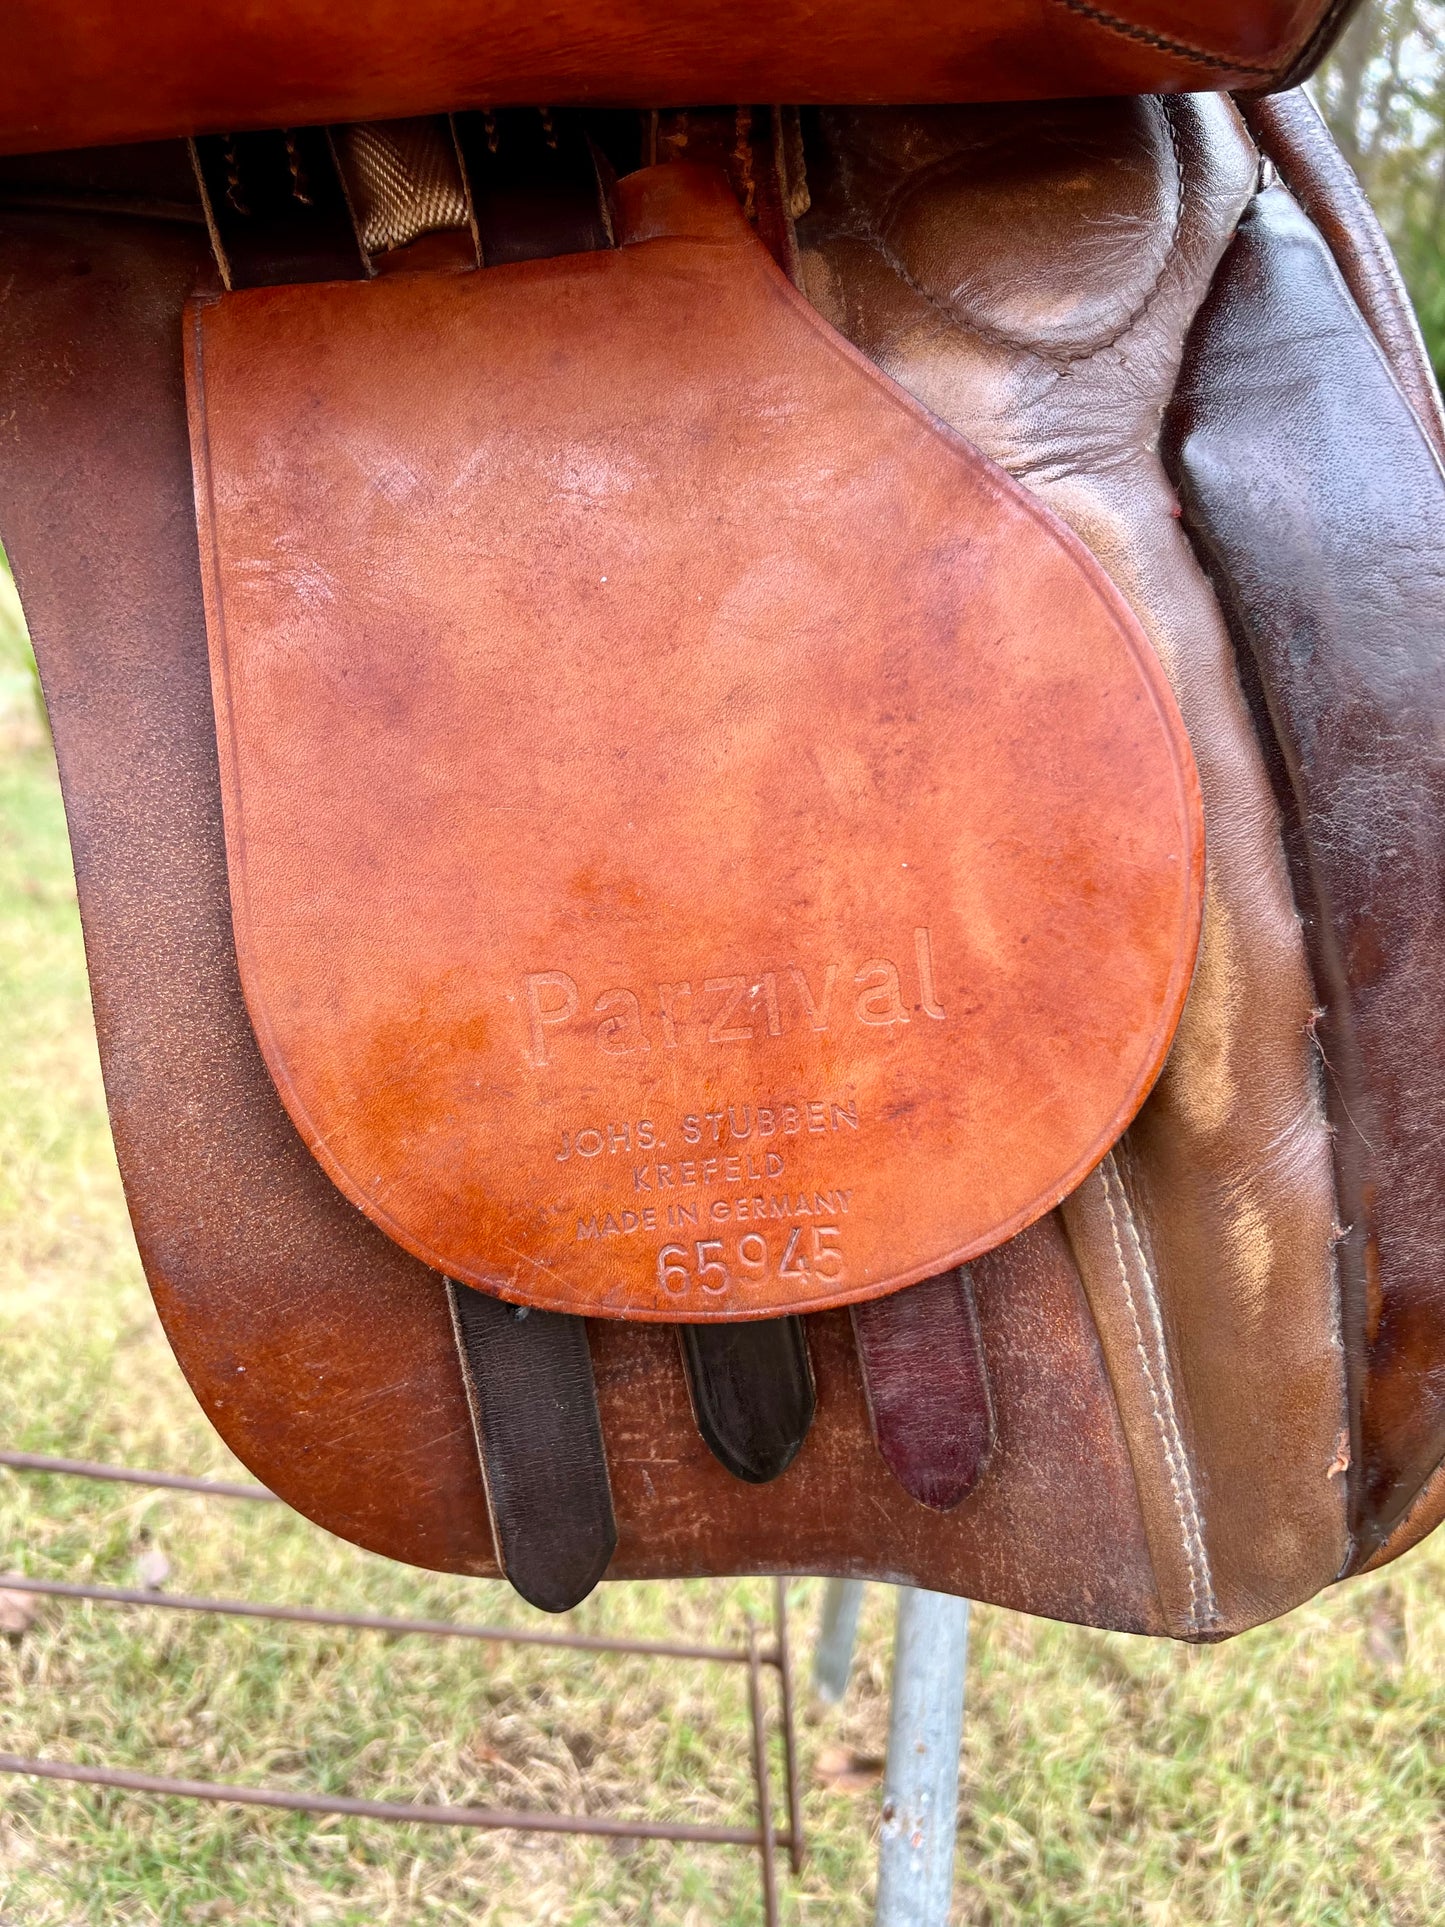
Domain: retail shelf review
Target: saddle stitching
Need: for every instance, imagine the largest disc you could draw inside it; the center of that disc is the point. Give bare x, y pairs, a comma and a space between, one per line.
1203, 1606
1162, 43
474, 1413
743, 156
947, 311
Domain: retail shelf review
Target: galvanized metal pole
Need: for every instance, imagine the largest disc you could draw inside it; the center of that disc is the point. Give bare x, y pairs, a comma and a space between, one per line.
837, 1635
920, 1782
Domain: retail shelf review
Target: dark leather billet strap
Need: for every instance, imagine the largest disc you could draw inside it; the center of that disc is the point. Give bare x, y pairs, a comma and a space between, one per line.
926, 1381
534, 183
1317, 502
752, 1392
534, 1410
276, 209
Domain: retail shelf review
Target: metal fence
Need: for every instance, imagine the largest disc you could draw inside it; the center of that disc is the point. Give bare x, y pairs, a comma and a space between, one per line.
760, 1657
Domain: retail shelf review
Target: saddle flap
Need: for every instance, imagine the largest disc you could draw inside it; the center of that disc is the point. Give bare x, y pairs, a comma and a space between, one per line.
704, 843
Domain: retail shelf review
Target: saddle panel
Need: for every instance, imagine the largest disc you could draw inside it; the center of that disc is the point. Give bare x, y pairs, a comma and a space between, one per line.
90, 72
785, 880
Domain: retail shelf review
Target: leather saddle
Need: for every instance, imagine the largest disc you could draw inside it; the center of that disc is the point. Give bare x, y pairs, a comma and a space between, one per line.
753, 788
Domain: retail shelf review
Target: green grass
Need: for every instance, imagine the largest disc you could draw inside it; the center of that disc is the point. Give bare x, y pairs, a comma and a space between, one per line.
1295, 1776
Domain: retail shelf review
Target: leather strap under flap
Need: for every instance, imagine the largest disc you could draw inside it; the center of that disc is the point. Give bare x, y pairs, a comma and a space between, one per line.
534, 1409
927, 1386
752, 1392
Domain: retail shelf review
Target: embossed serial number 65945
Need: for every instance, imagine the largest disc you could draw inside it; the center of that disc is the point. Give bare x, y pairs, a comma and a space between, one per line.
809, 1252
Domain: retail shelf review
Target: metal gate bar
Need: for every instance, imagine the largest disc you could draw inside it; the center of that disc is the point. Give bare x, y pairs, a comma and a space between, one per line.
381, 1623
764, 1837
497, 1818
126, 1475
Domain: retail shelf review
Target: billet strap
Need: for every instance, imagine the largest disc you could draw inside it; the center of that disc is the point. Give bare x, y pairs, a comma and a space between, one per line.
275, 208
533, 1403
927, 1387
535, 185
752, 1392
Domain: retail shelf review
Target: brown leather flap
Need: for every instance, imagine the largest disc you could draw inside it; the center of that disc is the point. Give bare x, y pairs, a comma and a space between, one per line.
79, 73
703, 841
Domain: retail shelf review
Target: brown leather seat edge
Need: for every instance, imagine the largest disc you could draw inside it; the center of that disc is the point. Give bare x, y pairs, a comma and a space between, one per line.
83, 72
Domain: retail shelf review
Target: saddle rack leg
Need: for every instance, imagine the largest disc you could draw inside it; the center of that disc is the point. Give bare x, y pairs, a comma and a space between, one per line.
920, 1783
837, 1636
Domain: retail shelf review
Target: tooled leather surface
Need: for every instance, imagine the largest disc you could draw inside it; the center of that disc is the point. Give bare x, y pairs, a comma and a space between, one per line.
322, 1352
82, 72
1031, 275
1318, 503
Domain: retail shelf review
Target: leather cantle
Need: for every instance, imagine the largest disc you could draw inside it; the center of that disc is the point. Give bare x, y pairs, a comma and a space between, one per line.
85, 72
786, 876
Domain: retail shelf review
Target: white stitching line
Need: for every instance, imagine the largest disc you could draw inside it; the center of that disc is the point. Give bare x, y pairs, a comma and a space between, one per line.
1203, 1607
1196, 1523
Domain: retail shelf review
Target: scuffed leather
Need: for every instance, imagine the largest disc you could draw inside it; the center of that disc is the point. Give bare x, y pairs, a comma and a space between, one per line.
1031, 276
926, 1380
1318, 504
